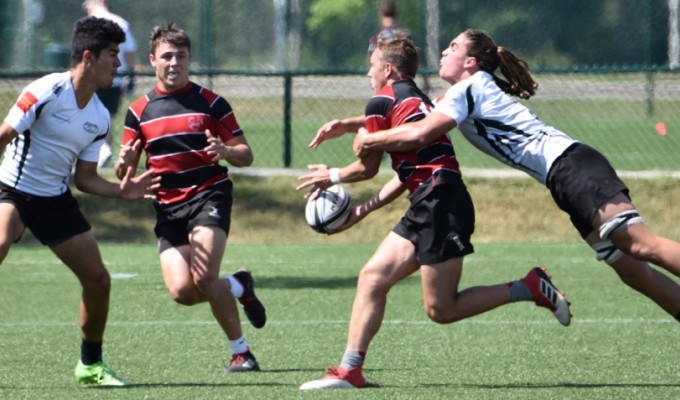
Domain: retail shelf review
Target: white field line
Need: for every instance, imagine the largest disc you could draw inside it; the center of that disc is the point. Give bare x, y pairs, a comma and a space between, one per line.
595, 321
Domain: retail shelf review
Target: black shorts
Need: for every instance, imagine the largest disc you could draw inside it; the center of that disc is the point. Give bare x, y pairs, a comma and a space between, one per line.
581, 181
111, 98
211, 207
53, 220
439, 224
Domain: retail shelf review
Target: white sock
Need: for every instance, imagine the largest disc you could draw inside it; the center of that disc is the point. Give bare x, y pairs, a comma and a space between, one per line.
239, 345
236, 287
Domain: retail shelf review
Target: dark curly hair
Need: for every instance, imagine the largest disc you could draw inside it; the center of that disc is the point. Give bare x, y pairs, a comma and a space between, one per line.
94, 34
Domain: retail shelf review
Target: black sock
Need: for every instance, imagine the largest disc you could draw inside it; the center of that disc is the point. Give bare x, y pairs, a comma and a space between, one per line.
90, 352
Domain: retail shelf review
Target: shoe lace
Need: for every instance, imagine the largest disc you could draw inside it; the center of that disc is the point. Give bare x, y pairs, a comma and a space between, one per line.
238, 359
104, 373
333, 370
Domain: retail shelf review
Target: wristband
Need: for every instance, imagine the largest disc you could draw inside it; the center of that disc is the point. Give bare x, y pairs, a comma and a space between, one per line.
334, 175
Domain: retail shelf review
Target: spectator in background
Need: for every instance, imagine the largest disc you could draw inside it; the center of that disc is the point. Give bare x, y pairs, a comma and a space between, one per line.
387, 13
111, 96
186, 130
56, 123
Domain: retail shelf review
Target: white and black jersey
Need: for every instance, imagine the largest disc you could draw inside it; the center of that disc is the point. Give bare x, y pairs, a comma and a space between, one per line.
501, 126
53, 133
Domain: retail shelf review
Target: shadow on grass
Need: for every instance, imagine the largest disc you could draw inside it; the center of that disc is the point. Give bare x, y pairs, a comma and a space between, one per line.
554, 385
305, 283
185, 385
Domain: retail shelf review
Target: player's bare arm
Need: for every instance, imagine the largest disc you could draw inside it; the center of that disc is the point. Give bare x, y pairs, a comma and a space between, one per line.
236, 151
128, 157
336, 128
404, 137
88, 180
360, 170
387, 194
7, 134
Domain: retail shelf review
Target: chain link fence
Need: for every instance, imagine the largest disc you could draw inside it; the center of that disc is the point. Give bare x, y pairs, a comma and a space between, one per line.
287, 66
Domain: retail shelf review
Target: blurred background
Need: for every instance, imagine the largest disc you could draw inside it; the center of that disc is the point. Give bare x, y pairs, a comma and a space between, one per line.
607, 69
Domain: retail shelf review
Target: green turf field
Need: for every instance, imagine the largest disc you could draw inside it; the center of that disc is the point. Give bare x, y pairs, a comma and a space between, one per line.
619, 346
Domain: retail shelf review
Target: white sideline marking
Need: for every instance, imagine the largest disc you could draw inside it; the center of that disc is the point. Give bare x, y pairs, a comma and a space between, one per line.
123, 276
605, 321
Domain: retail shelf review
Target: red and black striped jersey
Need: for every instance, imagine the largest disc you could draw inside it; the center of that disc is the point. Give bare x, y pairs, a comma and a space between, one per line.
401, 103
172, 128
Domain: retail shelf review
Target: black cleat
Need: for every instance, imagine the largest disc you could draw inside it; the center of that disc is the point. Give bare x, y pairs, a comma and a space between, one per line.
252, 306
244, 362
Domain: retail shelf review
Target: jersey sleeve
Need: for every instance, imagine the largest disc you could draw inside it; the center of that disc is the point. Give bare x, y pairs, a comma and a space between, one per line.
27, 108
131, 127
377, 112
457, 102
227, 126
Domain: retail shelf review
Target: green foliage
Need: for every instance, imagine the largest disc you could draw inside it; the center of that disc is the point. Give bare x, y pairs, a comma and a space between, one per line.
241, 34
322, 12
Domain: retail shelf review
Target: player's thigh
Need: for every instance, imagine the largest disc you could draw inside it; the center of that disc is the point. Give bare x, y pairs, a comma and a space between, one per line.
81, 254
393, 260
11, 226
440, 281
176, 268
207, 249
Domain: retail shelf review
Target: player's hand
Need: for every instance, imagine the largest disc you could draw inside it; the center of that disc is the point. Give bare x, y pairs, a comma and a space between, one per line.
352, 219
216, 148
317, 180
128, 153
143, 186
329, 130
358, 145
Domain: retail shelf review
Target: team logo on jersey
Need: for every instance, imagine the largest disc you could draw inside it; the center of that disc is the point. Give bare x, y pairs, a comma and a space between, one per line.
56, 89
196, 123
26, 102
214, 212
89, 127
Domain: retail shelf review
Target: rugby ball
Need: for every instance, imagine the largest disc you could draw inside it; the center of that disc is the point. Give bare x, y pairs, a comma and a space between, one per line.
329, 210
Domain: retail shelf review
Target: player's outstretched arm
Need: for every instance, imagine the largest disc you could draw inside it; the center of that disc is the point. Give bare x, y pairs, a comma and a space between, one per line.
404, 137
88, 180
387, 194
336, 128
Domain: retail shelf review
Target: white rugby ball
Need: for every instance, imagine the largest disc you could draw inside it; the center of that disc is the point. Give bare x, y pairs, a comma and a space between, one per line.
329, 210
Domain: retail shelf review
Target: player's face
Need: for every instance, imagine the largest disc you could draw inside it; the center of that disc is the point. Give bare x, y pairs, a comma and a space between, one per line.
172, 66
455, 63
106, 65
378, 72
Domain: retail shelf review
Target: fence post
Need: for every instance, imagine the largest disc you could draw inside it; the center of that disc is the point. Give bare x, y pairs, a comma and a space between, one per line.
649, 89
287, 100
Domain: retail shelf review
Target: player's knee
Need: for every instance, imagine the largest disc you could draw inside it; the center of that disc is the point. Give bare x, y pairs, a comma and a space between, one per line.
4, 250
371, 280
206, 282
100, 283
441, 315
184, 296
646, 250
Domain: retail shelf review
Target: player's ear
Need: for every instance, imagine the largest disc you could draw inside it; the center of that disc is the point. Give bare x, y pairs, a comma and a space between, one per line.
470, 62
88, 56
390, 69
